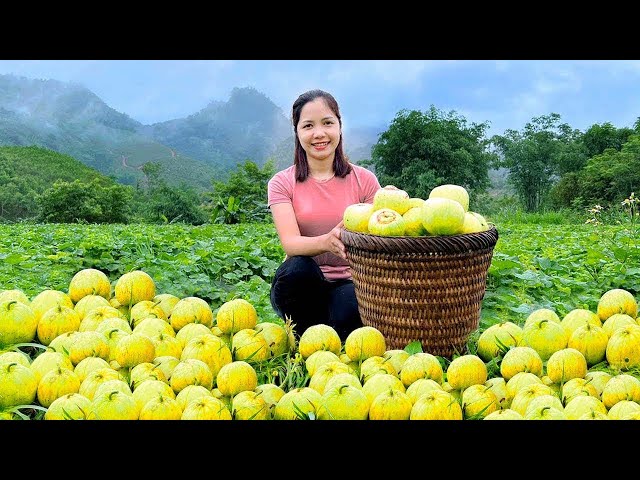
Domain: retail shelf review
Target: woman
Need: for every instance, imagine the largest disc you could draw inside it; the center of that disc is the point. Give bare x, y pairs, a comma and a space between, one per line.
307, 200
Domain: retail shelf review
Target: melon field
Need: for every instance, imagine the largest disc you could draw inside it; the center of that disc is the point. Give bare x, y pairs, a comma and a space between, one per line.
557, 268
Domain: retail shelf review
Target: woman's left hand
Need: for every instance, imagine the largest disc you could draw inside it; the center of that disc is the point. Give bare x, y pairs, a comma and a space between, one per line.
335, 243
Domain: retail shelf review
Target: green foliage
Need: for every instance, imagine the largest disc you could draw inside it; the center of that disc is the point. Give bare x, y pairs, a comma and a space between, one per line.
613, 175
242, 198
26, 172
158, 202
167, 204
152, 172
490, 204
534, 155
72, 202
608, 173
514, 213
422, 150
414, 347
570, 157
16, 201
551, 165
228, 213
40, 184
599, 138
288, 371
567, 192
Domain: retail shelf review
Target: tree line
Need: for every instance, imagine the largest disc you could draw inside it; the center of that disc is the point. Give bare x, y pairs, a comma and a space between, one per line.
241, 199
549, 165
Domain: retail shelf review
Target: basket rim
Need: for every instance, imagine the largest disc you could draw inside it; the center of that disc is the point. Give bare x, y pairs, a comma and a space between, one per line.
459, 243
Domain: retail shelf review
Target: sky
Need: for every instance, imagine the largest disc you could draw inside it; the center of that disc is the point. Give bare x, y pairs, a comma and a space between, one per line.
506, 94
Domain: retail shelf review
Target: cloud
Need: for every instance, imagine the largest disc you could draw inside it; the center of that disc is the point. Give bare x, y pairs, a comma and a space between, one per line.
62, 70
213, 75
350, 81
393, 73
611, 67
370, 92
501, 65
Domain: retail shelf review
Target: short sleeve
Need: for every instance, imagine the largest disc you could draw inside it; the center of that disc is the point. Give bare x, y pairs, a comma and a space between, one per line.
279, 190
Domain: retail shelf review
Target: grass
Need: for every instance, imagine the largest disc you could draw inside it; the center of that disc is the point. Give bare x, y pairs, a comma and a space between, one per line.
518, 216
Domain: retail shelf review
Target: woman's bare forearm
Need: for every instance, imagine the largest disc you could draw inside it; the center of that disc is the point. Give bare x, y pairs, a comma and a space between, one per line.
308, 246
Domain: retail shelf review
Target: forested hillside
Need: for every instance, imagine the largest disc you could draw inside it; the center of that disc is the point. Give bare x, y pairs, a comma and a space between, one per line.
26, 172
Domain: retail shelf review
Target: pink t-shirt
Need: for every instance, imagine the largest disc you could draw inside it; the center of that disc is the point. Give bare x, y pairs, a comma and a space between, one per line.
319, 206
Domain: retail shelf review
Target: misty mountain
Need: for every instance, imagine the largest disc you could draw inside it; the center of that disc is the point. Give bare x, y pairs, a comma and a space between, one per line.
70, 119
247, 127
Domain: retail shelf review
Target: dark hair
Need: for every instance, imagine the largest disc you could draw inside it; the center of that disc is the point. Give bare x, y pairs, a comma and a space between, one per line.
341, 164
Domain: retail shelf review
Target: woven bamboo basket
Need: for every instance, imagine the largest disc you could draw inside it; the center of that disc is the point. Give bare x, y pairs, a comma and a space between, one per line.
421, 288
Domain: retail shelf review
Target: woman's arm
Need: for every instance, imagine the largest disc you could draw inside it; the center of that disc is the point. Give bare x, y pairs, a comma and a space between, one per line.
293, 243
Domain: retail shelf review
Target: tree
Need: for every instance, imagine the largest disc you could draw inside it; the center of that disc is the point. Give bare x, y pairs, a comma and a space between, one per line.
72, 202
169, 205
243, 198
160, 203
152, 171
600, 137
14, 203
535, 156
611, 176
586, 164
422, 150
116, 203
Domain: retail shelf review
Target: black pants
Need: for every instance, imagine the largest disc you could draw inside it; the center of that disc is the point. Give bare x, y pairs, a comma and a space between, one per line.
300, 290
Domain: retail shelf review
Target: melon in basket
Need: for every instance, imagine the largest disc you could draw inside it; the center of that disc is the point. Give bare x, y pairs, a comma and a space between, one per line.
473, 223
413, 226
452, 192
356, 217
387, 223
392, 197
443, 216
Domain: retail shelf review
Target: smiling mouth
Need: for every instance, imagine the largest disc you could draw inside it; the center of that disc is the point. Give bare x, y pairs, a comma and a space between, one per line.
323, 144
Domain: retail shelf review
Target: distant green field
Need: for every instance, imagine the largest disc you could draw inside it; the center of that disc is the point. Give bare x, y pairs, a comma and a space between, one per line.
561, 267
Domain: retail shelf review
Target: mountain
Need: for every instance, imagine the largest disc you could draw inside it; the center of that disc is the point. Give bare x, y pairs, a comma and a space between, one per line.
247, 127
70, 119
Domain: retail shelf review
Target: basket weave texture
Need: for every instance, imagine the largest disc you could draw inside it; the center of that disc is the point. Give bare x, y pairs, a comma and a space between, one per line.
421, 288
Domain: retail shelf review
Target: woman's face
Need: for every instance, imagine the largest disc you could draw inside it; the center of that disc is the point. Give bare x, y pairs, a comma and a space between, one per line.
318, 131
